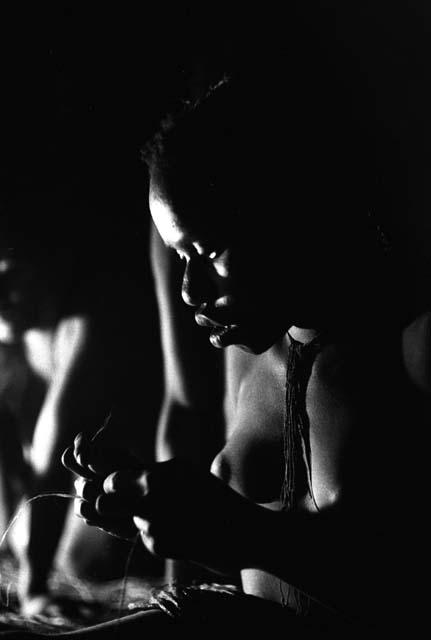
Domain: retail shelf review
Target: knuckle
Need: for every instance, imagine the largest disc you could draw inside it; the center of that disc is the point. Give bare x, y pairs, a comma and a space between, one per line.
77, 507
146, 527
101, 504
77, 439
153, 537
67, 456
79, 486
146, 481
111, 482
85, 510
149, 542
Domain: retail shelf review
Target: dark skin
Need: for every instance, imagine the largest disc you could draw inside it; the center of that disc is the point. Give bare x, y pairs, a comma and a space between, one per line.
229, 519
61, 377
347, 555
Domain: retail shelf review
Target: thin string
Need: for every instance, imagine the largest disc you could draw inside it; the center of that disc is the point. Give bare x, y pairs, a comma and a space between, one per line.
54, 494
69, 496
21, 508
126, 574
296, 436
103, 427
17, 515
296, 439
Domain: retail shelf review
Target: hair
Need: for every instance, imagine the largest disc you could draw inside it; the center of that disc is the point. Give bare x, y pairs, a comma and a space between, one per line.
248, 148
299, 134
198, 144
297, 128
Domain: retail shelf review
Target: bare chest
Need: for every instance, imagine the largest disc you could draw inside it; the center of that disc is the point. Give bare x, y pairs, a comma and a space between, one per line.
341, 401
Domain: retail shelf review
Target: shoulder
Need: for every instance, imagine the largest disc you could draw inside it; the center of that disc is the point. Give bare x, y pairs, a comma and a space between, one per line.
72, 335
416, 349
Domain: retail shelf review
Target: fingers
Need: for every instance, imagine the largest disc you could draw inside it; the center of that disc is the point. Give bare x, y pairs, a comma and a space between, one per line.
123, 493
111, 511
116, 504
69, 461
134, 480
96, 458
83, 450
88, 490
91, 460
154, 539
77, 457
87, 511
113, 517
102, 459
120, 527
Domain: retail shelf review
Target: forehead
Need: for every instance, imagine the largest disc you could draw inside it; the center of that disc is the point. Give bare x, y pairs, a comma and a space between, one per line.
186, 217
166, 220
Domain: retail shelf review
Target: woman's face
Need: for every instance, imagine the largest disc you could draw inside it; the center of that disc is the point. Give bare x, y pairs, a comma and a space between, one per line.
233, 276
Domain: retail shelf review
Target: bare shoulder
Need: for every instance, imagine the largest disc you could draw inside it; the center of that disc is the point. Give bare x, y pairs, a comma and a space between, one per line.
70, 337
416, 343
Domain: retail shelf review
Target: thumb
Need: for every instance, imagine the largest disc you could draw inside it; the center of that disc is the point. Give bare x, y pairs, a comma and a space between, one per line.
128, 480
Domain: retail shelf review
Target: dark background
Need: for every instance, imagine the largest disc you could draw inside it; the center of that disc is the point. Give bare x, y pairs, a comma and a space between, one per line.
83, 85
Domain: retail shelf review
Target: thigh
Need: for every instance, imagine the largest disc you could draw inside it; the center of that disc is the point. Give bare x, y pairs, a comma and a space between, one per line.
12, 462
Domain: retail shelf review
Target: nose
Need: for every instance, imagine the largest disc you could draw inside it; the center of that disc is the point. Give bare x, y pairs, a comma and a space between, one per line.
198, 284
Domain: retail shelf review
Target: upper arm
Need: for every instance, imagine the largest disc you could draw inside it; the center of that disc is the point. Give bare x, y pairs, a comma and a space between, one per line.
191, 417
193, 369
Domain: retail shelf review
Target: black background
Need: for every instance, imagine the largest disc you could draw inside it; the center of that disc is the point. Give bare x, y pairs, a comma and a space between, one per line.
82, 86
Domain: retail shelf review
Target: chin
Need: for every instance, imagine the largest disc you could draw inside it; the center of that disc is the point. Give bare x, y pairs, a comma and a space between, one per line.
255, 348
253, 338
258, 344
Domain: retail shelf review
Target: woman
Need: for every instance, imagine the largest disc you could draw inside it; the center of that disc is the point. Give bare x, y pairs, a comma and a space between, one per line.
298, 499
314, 495
64, 366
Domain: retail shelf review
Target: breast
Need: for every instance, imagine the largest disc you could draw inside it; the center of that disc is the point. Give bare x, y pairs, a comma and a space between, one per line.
252, 460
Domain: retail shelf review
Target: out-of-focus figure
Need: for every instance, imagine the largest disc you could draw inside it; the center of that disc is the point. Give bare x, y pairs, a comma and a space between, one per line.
68, 360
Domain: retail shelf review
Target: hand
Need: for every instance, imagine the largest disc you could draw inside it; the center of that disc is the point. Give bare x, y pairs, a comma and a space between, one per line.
93, 459
92, 462
184, 513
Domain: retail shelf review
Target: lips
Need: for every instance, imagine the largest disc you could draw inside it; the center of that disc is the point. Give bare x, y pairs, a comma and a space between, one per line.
203, 321
214, 316
222, 334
